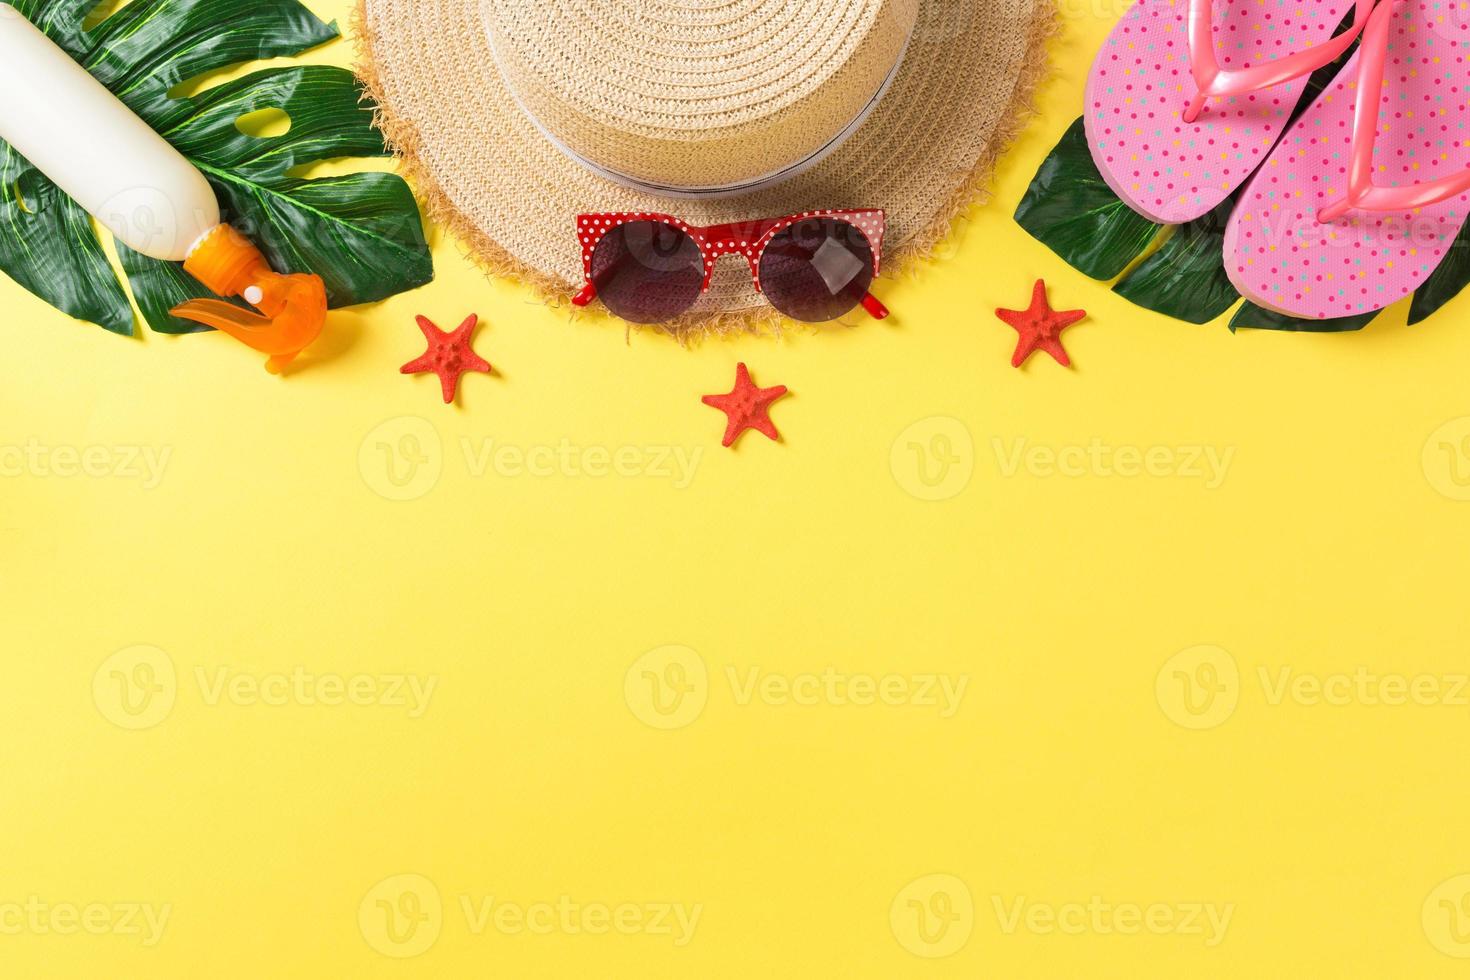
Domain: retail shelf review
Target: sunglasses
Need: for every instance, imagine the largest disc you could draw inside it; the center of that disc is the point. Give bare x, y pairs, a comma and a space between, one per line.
813, 267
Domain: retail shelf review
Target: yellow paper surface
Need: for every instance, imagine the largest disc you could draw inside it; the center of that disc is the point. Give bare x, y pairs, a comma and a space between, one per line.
1150, 668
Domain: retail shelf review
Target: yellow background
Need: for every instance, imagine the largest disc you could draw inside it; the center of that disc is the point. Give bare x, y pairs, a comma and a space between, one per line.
1071, 606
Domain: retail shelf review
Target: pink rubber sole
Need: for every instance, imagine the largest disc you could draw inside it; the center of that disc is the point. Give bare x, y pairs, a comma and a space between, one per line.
1140, 84
1276, 252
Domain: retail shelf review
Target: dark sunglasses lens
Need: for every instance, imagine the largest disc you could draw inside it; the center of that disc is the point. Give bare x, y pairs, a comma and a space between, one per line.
817, 270
647, 271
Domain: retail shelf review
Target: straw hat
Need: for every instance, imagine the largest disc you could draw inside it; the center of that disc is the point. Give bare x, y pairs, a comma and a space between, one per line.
513, 116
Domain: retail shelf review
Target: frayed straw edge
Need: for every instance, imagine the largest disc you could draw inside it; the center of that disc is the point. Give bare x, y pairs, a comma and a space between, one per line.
1045, 25
403, 139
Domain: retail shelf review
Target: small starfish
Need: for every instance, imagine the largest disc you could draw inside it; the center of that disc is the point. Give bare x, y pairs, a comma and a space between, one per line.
747, 406
1040, 327
449, 355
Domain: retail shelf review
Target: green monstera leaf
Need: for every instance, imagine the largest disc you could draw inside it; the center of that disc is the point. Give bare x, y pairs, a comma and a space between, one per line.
48, 246
1252, 317
1446, 281
1071, 210
361, 233
1185, 278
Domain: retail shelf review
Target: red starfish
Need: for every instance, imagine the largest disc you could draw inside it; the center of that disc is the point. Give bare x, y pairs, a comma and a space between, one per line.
747, 406
1040, 327
449, 355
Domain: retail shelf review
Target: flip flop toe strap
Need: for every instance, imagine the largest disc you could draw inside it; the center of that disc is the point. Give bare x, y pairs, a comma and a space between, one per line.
1214, 82
1362, 193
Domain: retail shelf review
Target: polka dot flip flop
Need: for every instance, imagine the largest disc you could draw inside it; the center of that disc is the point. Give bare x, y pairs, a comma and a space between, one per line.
1369, 188
1187, 97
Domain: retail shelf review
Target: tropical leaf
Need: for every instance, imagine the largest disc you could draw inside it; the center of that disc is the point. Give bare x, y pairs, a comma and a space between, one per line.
361, 233
1446, 282
1253, 317
1185, 278
61, 20
1070, 209
47, 245
149, 47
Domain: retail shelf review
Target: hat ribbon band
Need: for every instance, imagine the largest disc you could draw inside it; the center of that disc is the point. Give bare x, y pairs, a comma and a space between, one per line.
723, 190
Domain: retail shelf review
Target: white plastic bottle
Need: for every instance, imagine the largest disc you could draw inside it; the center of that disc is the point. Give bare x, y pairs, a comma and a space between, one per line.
96, 149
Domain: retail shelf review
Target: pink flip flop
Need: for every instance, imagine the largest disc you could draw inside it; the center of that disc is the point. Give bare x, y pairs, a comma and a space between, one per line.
1186, 97
1367, 190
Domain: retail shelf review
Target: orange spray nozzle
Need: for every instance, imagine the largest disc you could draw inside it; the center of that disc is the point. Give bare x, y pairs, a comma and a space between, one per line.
293, 308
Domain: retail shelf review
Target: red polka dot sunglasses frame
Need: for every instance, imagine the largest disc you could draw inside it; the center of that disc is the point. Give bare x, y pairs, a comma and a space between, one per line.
813, 266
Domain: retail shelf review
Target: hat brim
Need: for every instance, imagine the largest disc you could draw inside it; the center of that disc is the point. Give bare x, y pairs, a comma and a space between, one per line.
490, 177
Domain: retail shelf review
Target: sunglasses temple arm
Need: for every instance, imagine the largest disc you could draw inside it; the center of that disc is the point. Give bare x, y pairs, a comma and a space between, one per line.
586, 296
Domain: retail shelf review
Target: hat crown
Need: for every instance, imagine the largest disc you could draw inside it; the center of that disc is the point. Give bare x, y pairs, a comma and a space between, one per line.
695, 96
